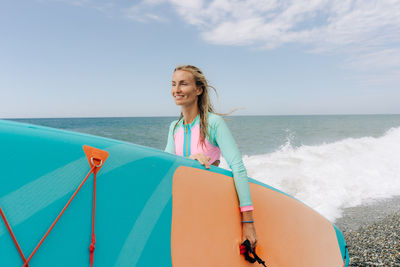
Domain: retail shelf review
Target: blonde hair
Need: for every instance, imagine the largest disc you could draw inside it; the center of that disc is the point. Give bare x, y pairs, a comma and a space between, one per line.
204, 101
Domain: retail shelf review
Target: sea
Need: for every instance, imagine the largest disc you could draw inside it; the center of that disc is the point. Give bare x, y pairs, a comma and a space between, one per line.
329, 162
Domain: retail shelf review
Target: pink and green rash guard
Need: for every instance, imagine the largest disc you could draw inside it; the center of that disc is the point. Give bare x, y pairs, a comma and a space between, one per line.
185, 141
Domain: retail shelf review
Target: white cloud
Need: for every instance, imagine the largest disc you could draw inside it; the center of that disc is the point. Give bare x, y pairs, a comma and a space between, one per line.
389, 76
324, 23
104, 6
366, 32
145, 11
140, 12
387, 58
71, 2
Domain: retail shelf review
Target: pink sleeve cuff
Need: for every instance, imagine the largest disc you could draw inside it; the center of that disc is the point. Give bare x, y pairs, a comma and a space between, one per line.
246, 208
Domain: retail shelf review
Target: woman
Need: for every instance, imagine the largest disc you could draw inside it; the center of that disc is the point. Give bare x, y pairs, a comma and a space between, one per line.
202, 135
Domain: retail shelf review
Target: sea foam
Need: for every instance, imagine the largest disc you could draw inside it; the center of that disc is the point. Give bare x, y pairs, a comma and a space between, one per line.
333, 176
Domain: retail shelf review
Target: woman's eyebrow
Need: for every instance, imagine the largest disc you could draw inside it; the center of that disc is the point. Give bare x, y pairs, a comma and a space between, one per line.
180, 81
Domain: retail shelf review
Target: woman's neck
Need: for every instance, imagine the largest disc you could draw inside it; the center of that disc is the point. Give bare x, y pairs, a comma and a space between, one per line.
190, 113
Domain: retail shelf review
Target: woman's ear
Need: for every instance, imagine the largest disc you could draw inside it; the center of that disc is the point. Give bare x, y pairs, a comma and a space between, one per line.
199, 90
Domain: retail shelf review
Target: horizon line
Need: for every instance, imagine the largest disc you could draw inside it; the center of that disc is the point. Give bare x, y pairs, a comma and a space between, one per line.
254, 115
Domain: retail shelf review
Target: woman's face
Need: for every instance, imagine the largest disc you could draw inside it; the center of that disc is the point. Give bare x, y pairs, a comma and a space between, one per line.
184, 89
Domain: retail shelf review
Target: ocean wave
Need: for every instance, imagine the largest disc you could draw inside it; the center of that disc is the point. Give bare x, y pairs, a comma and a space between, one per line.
332, 176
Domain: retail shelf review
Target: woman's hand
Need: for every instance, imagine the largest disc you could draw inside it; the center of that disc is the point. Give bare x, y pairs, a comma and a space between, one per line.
248, 229
249, 232
202, 159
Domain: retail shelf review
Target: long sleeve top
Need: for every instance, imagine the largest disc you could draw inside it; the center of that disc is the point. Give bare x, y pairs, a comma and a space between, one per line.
184, 140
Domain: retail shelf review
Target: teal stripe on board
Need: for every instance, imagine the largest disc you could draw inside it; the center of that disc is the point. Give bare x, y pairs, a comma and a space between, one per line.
157, 251
137, 238
342, 245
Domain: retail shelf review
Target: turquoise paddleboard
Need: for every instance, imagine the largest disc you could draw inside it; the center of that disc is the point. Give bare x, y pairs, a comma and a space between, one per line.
152, 208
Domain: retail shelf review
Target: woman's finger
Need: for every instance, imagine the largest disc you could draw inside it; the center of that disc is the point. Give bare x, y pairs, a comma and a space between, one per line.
255, 240
207, 165
203, 160
206, 161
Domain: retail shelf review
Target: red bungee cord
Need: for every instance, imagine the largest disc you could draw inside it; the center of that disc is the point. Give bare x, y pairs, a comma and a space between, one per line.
58, 217
12, 235
96, 158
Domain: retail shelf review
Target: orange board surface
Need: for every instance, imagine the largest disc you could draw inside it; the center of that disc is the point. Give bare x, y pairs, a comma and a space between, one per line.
206, 227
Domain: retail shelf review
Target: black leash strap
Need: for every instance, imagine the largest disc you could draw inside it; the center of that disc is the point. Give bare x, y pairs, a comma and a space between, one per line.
250, 250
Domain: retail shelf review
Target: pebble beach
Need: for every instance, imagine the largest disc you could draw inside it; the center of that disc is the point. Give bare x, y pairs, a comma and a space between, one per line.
372, 233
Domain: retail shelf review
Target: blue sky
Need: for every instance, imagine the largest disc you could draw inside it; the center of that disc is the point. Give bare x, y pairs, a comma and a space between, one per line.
86, 58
